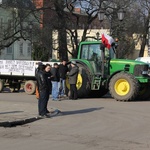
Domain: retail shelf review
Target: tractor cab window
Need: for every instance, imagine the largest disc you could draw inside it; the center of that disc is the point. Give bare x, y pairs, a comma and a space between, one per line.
92, 53
109, 53
84, 52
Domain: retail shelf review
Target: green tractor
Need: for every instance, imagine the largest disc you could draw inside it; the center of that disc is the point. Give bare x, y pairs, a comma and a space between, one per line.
100, 72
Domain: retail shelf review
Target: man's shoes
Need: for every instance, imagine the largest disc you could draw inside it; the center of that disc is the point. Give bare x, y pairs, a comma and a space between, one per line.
45, 116
56, 100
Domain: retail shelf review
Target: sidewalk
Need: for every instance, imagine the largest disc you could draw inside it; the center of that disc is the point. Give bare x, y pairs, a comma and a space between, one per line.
17, 113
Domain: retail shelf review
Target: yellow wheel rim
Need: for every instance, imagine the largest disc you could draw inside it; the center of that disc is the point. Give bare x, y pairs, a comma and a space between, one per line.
122, 87
78, 84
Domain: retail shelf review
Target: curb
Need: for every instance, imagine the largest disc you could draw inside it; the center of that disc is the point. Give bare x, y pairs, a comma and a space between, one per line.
25, 121
18, 122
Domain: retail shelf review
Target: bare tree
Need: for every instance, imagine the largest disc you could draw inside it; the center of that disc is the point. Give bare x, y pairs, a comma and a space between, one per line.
16, 27
144, 10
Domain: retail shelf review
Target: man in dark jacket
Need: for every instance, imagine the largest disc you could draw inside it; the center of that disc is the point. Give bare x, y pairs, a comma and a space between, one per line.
49, 76
55, 79
43, 88
73, 74
63, 69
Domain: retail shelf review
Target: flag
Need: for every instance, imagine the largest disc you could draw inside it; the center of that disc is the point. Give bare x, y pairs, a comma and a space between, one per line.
107, 40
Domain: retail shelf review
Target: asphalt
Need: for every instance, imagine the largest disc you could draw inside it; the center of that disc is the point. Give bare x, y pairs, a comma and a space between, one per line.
14, 114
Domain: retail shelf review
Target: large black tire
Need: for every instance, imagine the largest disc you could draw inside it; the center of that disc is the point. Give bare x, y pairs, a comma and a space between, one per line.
1, 85
83, 83
30, 87
144, 92
123, 87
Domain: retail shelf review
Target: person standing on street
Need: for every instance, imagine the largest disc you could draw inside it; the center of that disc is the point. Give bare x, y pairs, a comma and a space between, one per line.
73, 74
63, 69
43, 88
49, 76
55, 79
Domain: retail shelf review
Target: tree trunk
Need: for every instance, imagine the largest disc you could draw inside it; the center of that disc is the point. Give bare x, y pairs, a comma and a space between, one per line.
141, 53
62, 44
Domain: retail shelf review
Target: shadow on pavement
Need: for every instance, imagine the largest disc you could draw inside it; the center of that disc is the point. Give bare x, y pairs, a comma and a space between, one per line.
74, 112
10, 112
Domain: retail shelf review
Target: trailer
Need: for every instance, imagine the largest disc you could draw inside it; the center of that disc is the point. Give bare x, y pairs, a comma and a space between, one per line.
15, 74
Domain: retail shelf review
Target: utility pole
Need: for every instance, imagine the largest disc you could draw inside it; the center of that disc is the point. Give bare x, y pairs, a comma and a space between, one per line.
149, 39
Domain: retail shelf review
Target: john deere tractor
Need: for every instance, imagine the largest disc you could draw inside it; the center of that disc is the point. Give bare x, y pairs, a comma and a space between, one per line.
100, 72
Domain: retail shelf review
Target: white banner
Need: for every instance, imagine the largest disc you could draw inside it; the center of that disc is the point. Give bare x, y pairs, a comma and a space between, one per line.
17, 67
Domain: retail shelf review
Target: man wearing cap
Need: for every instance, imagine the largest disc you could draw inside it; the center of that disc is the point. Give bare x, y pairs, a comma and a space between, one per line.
73, 74
55, 80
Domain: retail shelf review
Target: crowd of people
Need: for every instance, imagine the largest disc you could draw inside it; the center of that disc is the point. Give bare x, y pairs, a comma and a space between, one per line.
51, 81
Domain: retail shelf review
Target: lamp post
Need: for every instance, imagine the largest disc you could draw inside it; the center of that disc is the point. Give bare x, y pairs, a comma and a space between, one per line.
30, 28
121, 13
149, 39
101, 14
97, 36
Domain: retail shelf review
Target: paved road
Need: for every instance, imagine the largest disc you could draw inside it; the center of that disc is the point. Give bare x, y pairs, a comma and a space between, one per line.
87, 124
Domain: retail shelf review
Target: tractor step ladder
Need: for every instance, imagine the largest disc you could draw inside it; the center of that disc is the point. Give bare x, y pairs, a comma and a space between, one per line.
96, 83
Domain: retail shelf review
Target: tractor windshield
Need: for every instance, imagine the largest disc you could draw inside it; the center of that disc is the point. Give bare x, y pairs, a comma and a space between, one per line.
92, 53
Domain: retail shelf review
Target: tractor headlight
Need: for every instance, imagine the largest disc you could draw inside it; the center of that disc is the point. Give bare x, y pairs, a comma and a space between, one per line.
145, 72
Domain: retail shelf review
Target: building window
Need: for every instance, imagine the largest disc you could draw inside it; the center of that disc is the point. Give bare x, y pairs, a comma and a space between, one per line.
9, 50
29, 49
21, 49
9, 23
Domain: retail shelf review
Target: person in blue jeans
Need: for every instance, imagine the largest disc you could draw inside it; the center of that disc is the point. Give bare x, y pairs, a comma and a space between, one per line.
55, 80
63, 69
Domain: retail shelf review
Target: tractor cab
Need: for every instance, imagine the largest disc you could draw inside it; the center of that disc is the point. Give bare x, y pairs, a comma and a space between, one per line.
97, 55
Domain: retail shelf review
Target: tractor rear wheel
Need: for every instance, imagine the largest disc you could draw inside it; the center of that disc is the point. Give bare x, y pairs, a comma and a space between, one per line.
83, 83
123, 87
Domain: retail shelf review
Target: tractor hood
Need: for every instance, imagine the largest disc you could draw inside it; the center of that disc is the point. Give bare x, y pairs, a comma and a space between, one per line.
131, 66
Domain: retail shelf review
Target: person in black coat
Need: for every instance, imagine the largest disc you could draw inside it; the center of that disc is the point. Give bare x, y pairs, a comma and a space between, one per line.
73, 74
49, 76
55, 80
63, 69
43, 88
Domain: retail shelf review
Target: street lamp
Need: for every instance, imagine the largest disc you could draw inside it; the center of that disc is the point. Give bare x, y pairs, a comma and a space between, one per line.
97, 36
101, 14
30, 28
121, 13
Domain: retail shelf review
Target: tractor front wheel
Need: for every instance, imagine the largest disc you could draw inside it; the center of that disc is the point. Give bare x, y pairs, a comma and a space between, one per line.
123, 87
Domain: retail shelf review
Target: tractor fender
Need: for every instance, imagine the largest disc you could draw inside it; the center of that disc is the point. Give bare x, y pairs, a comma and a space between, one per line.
107, 84
83, 64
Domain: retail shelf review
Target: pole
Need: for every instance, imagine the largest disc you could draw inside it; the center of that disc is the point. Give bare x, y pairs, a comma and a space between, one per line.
149, 39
